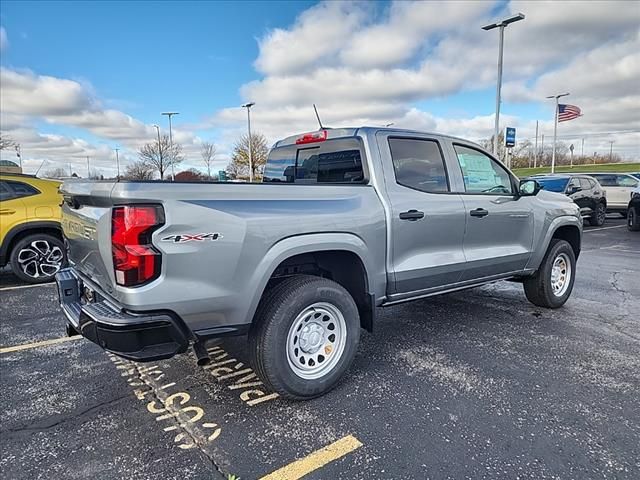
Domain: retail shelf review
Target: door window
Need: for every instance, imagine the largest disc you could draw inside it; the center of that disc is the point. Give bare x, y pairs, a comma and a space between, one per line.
607, 180
626, 181
418, 164
482, 174
584, 184
5, 193
21, 190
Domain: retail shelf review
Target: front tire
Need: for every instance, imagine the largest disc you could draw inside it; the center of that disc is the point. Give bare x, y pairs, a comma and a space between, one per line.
633, 222
37, 257
305, 337
598, 217
552, 284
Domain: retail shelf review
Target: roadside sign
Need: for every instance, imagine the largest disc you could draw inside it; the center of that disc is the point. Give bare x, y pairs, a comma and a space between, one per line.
222, 176
510, 137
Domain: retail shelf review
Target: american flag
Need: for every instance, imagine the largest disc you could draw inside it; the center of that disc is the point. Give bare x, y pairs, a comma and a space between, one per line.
568, 112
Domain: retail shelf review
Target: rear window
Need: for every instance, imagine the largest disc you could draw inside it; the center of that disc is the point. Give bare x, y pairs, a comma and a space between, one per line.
334, 161
553, 184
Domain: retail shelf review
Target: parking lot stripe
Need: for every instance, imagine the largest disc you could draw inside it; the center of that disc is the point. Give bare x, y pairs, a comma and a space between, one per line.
18, 287
603, 228
44, 343
315, 460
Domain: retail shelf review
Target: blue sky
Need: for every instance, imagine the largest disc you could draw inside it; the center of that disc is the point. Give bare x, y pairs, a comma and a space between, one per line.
82, 77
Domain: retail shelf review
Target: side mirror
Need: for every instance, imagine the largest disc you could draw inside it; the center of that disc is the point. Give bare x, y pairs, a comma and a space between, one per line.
574, 189
528, 188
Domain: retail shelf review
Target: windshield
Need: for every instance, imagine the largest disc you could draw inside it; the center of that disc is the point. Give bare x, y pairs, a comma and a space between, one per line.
553, 184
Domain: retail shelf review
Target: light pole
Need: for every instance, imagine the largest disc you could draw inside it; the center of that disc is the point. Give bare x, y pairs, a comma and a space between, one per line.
173, 171
88, 169
610, 150
555, 130
117, 164
157, 127
501, 25
248, 107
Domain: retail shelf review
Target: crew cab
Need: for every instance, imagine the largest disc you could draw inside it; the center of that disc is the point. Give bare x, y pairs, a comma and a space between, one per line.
346, 220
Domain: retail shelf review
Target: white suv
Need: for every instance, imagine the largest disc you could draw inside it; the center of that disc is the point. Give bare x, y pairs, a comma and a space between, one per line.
618, 187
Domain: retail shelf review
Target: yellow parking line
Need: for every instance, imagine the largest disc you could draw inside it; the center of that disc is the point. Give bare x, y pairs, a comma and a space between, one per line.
20, 287
315, 460
44, 343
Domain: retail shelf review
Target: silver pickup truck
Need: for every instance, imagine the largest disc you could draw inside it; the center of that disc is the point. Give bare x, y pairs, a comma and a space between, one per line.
345, 220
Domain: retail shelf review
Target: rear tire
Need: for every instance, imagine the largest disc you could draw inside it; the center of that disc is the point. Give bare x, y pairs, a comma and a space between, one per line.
305, 336
598, 217
37, 257
633, 222
552, 284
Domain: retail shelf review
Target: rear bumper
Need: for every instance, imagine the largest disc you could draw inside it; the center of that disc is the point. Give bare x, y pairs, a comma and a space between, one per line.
137, 336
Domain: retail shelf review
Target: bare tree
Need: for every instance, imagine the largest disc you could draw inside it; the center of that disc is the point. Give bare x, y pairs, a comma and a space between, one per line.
57, 172
239, 166
6, 141
138, 171
208, 152
160, 157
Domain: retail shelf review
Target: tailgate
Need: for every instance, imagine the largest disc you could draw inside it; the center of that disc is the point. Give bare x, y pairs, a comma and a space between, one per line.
86, 223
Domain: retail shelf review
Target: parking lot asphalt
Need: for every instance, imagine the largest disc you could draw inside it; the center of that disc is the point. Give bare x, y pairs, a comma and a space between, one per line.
476, 384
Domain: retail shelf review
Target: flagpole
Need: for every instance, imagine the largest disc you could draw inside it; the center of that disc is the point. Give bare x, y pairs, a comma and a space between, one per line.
555, 130
535, 152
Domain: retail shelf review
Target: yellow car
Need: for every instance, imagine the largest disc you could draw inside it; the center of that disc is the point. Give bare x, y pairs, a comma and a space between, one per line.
30, 231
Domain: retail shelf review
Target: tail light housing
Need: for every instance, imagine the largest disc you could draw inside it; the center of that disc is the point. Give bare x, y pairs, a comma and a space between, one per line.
135, 260
312, 137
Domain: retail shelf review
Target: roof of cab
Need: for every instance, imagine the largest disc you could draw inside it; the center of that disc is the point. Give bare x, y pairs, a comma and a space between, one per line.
345, 132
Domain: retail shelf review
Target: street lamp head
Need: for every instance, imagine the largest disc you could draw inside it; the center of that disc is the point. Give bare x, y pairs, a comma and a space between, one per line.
558, 96
155, 126
248, 105
505, 22
170, 113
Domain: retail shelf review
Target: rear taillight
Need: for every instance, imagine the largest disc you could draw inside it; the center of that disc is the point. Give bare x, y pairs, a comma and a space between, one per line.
135, 260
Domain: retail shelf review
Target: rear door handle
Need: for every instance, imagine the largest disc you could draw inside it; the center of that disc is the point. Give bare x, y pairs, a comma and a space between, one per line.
6, 211
411, 215
479, 212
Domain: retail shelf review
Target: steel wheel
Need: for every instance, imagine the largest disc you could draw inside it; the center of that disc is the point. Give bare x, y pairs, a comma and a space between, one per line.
40, 259
316, 340
560, 274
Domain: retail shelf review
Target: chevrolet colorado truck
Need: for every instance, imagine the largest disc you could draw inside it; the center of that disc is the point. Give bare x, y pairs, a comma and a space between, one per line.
345, 220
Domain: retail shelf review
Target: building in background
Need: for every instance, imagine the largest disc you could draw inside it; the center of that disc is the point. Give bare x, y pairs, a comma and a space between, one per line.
7, 166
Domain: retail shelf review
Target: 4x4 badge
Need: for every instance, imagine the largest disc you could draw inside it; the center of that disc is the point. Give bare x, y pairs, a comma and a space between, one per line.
190, 237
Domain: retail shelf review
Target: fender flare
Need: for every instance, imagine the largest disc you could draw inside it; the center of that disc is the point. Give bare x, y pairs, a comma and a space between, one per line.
21, 228
556, 223
299, 244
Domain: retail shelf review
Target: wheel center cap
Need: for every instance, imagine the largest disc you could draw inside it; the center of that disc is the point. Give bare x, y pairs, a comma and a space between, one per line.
311, 338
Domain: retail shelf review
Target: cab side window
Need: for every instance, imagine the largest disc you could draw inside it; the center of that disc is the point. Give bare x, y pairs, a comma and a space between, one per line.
418, 164
481, 173
21, 190
5, 192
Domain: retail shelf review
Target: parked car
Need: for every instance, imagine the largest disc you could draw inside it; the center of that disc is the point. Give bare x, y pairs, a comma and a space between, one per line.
30, 231
346, 220
585, 191
618, 187
633, 211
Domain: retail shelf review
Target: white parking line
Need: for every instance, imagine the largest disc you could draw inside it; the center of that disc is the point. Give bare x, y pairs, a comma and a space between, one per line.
603, 228
18, 287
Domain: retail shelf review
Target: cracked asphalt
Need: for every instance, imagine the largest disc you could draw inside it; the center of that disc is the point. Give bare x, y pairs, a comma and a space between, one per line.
476, 384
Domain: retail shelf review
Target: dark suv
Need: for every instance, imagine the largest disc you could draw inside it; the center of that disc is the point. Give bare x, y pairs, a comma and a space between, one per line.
633, 212
585, 191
